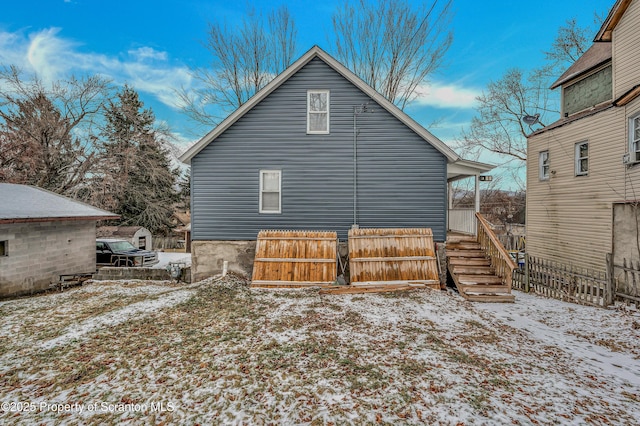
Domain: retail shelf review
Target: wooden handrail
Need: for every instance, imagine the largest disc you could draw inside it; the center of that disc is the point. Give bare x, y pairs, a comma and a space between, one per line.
501, 261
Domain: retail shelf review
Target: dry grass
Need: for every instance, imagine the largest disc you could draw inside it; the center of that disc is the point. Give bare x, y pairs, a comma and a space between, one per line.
225, 353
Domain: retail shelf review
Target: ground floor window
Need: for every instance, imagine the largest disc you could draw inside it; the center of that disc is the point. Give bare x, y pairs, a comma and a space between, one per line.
3, 248
270, 191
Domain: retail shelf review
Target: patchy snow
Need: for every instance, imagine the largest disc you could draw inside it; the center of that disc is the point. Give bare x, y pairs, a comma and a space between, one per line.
217, 352
586, 332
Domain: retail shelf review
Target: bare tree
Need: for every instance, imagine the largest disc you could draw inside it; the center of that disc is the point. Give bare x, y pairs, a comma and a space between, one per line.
392, 46
242, 63
498, 125
47, 132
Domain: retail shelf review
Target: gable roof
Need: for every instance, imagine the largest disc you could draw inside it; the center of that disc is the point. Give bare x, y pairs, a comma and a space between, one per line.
598, 54
615, 15
317, 52
32, 204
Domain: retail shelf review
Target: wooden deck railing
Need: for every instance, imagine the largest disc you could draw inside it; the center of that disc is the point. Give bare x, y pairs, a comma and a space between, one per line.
501, 261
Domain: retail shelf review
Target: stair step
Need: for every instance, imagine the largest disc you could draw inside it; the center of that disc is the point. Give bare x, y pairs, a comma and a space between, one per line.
465, 253
465, 245
484, 288
469, 261
460, 238
473, 270
473, 279
490, 298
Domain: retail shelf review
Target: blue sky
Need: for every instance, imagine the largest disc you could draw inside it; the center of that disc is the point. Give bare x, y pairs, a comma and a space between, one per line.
151, 45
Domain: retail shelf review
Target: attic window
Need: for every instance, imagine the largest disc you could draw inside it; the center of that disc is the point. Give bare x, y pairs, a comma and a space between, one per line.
318, 111
4, 249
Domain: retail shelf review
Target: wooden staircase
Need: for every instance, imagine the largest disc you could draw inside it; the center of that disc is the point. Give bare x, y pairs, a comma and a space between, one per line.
473, 269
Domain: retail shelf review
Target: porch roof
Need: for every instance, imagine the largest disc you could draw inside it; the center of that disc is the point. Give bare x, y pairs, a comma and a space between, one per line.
466, 168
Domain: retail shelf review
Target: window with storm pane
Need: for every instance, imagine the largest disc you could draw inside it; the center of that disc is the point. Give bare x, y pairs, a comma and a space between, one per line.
318, 111
270, 194
582, 159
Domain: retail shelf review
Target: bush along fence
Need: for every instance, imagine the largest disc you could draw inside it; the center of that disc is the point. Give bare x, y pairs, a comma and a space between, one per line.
579, 285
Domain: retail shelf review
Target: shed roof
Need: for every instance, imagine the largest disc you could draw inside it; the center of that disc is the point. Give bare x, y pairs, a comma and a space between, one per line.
32, 204
317, 52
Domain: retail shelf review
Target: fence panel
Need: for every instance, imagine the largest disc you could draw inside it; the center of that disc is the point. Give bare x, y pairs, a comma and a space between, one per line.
563, 282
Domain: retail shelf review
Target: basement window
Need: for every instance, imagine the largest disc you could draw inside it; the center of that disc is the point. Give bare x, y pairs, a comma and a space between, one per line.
318, 111
4, 248
582, 159
270, 193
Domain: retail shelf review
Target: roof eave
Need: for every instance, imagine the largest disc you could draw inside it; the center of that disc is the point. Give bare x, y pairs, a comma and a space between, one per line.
56, 219
605, 33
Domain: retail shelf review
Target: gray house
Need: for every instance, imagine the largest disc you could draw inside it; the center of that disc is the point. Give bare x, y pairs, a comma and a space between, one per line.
316, 149
42, 236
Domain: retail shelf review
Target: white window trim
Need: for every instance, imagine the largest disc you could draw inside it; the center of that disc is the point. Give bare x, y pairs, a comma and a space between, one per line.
578, 158
541, 165
318, 132
261, 210
635, 155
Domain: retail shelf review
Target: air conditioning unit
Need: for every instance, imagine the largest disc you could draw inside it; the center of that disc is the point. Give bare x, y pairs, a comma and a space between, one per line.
631, 158
626, 159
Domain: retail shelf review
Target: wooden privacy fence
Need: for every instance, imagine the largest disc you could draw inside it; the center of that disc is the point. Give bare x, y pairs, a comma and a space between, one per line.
295, 259
563, 282
393, 257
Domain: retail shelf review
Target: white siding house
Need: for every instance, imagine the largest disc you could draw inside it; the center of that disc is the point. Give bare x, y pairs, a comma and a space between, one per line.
579, 167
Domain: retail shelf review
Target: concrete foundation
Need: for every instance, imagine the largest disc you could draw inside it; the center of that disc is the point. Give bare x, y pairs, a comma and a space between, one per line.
208, 257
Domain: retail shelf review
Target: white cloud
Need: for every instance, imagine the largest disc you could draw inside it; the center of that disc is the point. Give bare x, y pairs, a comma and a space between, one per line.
143, 53
53, 57
439, 95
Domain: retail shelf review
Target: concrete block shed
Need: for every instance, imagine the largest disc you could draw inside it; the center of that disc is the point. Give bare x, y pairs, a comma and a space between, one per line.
43, 236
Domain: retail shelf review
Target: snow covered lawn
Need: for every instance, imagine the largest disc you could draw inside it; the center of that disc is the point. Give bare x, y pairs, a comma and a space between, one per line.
217, 352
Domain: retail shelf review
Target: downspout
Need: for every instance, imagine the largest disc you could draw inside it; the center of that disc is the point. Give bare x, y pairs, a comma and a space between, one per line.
355, 165
358, 109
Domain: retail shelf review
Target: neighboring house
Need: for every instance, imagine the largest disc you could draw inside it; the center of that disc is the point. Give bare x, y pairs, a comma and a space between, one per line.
42, 236
316, 149
139, 236
585, 167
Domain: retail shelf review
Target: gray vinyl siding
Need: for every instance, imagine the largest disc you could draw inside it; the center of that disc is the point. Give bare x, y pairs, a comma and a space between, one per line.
401, 177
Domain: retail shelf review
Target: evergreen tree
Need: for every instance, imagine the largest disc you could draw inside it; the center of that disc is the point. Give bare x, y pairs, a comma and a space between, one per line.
136, 179
184, 191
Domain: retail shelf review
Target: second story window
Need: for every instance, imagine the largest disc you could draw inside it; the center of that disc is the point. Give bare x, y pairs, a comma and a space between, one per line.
543, 163
634, 138
318, 111
582, 158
